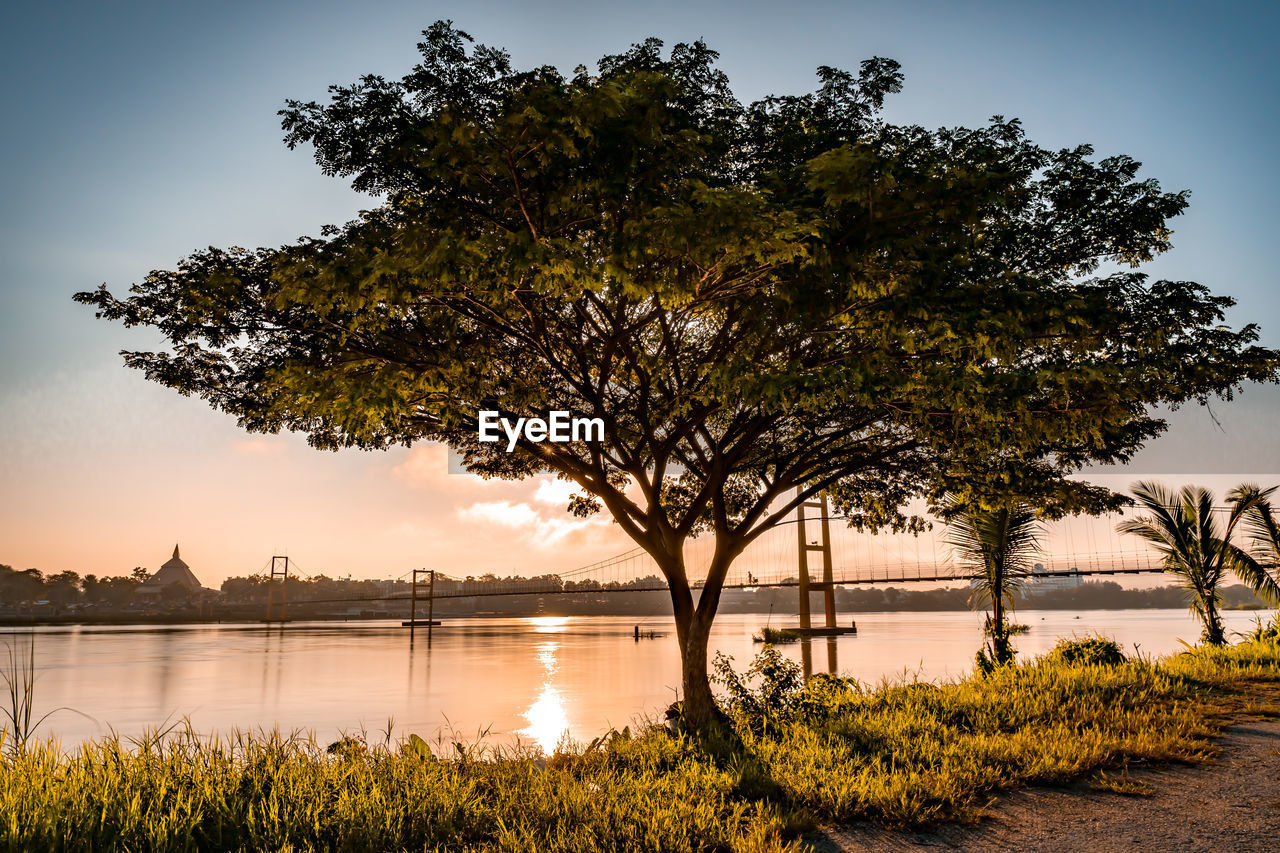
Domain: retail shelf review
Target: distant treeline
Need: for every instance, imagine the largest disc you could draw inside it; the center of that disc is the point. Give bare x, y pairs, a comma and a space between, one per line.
31, 590
1092, 595
631, 597
66, 588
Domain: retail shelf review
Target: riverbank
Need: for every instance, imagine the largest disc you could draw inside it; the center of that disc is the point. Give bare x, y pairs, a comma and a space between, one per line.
899, 755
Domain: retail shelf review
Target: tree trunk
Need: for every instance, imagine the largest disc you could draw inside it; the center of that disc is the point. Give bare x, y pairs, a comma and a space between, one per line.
699, 707
999, 631
693, 628
1214, 633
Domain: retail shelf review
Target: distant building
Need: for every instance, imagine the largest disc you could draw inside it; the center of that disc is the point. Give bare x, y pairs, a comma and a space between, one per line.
1041, 580
175, 572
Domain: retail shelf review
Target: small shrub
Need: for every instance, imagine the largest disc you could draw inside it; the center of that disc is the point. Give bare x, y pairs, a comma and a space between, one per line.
1099, 651
779, 685
774, 636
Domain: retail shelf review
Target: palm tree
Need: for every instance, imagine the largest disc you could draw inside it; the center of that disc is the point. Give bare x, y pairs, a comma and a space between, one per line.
998, 544
1260, 560
1184, 529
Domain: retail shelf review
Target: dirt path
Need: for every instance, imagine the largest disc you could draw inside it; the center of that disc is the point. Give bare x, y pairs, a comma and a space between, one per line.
1232, 806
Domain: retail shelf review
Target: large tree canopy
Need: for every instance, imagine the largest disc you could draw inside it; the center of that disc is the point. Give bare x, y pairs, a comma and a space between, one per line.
759, 300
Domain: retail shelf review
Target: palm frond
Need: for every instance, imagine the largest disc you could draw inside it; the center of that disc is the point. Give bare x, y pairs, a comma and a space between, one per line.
1254, 574
1260, 525
998, 545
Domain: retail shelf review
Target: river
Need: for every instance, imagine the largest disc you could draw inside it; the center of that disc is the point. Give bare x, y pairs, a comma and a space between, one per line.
503, 679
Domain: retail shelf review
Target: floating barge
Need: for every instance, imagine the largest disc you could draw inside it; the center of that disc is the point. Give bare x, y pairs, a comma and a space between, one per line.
833, 631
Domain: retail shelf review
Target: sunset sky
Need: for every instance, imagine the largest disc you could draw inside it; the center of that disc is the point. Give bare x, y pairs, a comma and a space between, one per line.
137, 132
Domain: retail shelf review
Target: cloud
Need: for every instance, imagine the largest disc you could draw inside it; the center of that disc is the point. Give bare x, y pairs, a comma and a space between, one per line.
538, 531
504, 513
555, 492
258, 447
530, 514
426, 466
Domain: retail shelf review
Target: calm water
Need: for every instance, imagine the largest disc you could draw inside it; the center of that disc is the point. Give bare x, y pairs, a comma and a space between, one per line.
526, 678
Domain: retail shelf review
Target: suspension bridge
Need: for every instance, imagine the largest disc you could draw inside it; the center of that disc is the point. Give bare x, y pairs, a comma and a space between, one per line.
1069, 548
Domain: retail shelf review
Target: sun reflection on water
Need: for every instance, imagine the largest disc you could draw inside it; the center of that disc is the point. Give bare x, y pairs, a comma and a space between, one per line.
547, 718
549, 624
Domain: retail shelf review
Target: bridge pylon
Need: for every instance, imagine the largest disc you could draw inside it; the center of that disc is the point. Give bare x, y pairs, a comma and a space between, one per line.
827, 585
279, 577
823, 547
430, 584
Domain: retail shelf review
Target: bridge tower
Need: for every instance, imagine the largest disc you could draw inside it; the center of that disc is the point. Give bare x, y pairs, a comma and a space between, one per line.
279, 577
430, 584
827, 585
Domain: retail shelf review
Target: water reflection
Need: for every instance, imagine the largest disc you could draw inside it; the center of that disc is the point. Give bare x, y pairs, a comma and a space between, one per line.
806, 657
547, 718
535, 678
550, 624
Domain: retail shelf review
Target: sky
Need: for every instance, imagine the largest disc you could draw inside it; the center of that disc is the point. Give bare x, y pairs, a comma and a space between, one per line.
134, 133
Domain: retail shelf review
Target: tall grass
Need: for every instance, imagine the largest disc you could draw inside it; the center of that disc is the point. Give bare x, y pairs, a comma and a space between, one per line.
793, 755
19, 676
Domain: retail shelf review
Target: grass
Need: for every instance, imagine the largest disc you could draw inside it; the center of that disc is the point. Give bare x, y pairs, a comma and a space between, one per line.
18, 722
1122, 784
794, 755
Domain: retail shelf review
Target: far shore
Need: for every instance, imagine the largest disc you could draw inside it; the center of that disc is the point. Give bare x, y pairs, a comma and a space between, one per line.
777, 601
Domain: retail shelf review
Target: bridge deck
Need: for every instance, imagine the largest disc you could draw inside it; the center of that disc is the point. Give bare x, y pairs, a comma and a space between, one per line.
937, 577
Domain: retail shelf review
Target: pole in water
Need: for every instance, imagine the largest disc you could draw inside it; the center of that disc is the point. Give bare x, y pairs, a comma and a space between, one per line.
431, 606
803, 549
828, 580
637, 635
413, 604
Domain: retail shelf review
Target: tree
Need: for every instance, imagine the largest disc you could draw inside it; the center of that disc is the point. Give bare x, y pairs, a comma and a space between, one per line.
1261, 556
998, 543
1197, 550
252, 589
63, 588
17, 587
117, 591
759, 301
